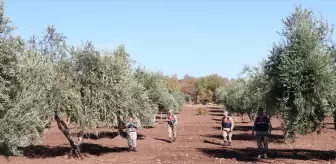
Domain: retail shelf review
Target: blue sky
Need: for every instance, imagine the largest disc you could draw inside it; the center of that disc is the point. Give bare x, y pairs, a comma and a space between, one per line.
175, 37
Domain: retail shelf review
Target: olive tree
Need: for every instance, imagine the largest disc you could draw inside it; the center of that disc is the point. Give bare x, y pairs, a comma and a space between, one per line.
333, 56
300, 73
46, 79
158, 92
233, 97
207, 87
124, 95
22, 102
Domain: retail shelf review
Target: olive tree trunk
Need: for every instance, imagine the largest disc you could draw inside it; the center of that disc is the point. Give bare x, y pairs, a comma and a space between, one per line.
75, 145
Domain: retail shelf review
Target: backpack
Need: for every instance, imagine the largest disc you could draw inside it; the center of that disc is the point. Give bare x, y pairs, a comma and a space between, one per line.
262, 124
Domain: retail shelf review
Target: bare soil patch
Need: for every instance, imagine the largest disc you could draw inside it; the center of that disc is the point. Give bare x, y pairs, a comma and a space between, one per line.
199, 142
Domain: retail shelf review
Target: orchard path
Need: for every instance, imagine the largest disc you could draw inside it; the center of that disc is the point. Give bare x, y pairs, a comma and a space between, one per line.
198, 142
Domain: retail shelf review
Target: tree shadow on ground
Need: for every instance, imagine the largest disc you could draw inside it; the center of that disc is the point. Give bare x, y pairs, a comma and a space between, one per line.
274, 138
212, 107
329, 125
229, 153
215, 114
249, 154
242, 128
237, 128
140, 136
160, 139
151, 126
216, 111
243, 122
212, 142
217, 119
110, 135
51, 152
277, 128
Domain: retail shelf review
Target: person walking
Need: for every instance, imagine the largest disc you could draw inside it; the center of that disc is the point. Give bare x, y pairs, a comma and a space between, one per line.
227, 126
131, 130
262, 127
172, 122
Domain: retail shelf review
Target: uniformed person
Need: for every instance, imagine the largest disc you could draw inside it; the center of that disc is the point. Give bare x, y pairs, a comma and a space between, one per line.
227, 125
262, 127
131, 130
172, 122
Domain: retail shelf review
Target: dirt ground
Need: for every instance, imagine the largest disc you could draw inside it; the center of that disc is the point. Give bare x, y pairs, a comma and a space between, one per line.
198, 142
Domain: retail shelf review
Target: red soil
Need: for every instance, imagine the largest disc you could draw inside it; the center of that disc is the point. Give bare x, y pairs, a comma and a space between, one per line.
198, 142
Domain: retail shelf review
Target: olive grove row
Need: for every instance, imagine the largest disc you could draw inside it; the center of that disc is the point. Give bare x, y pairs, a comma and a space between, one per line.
44, 79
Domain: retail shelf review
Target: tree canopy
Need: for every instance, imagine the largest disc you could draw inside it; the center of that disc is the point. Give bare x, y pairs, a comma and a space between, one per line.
45, 79
296, 81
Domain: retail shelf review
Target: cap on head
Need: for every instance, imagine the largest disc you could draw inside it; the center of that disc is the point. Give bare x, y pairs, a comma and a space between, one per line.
225, 113
170, 112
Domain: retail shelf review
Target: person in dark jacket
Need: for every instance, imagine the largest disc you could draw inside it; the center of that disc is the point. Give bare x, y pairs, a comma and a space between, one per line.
262, 127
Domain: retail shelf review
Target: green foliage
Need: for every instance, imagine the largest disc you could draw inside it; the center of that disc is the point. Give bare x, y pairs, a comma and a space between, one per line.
207, 87
22, 124
21, 111
159, 94
47, 78
300, 73
233, 97
154, 84
180, 100
86, 77
125, 96
188, 98
296, 82
10, 46
332, 101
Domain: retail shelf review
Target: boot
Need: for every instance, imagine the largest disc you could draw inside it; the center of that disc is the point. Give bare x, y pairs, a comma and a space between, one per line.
129, 149
224, 143
265, 155
174, 140
229, 143
134, 149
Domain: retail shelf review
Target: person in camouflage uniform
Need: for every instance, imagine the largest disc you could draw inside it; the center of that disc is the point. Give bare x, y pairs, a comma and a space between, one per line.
262, 127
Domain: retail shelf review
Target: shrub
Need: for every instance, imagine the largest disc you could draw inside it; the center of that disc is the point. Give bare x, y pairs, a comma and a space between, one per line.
201, 111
